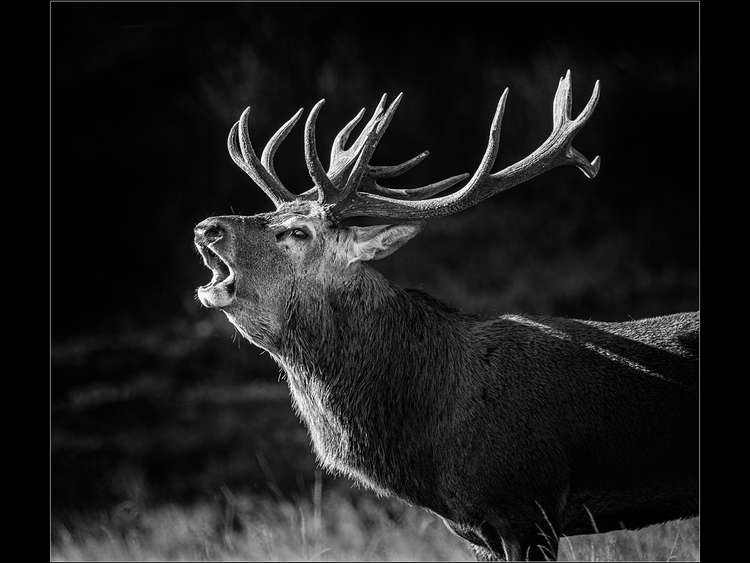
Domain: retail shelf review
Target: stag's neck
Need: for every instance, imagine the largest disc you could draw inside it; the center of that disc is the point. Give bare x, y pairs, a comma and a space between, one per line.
368, 365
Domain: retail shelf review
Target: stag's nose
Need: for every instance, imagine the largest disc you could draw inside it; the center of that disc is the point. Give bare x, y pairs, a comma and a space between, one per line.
209, 231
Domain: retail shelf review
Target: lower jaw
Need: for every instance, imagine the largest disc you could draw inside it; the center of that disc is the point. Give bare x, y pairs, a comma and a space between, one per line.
216, 297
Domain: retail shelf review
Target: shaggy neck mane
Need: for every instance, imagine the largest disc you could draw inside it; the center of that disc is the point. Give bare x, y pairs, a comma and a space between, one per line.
368, 365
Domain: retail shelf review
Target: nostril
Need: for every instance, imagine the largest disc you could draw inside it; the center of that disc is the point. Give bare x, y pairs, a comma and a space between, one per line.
210, 232
214, 232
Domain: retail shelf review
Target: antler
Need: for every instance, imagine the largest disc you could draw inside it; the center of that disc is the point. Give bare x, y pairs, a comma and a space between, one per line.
349, 187
556, 150
261, 171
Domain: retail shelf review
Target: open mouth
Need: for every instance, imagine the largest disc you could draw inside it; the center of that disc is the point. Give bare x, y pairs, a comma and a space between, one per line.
219, 292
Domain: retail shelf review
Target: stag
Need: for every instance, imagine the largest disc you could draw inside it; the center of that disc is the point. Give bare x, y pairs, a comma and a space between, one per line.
515, 430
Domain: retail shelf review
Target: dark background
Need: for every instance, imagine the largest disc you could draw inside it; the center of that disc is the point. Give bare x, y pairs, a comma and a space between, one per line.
153, 397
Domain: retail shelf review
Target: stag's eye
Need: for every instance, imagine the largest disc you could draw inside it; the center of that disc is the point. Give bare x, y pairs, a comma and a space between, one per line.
300, 234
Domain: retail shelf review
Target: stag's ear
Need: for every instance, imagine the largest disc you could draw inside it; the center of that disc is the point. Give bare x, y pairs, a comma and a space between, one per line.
378, 241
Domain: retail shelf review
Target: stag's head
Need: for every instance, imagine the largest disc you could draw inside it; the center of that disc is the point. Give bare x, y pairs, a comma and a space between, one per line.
311, 242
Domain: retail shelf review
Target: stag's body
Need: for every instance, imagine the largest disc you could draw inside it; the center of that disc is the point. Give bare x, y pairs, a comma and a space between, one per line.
480, 420
514, 430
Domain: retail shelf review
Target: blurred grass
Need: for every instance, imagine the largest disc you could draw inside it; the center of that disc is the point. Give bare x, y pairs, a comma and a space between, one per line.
322, 527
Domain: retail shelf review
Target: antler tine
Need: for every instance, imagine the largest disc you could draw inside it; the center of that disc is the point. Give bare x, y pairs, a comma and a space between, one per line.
397, 169
587, 111
404, 193
562, 105
556, 150
246, 159
589, 169
343, 136
370, 125
420, 193
326, 190
269, 152
493, 145
369, 144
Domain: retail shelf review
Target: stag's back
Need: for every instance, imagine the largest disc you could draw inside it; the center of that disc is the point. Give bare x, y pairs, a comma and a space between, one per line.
601, 406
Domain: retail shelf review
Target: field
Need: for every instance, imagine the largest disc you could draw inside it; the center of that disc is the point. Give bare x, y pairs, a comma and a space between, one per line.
324, 527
